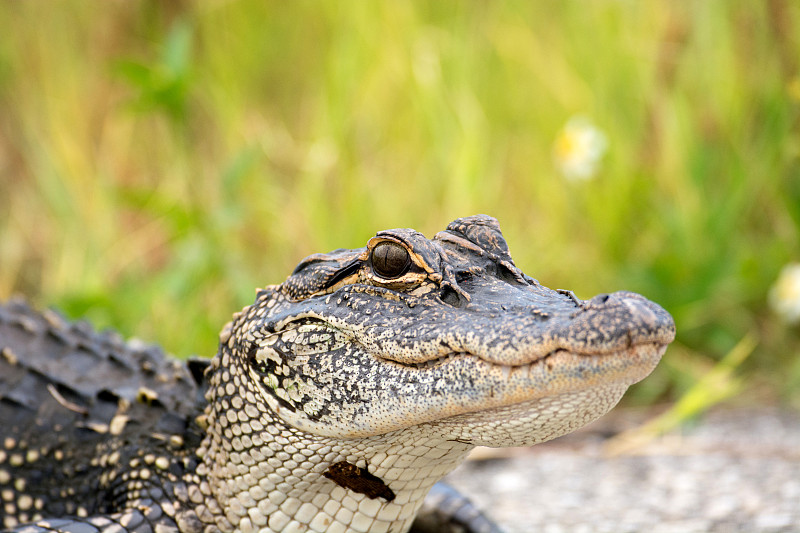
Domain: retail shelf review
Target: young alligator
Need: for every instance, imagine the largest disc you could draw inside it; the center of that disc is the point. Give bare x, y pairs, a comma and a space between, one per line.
335, 402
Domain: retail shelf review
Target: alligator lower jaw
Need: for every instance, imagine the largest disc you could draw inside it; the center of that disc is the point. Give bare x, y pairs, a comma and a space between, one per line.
564, 372
559, 406
530, 422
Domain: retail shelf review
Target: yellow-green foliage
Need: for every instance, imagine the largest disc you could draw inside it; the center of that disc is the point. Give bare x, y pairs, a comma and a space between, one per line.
159, 160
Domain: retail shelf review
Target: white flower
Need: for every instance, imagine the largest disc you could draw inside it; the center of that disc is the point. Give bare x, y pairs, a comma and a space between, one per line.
578, 149
784, 296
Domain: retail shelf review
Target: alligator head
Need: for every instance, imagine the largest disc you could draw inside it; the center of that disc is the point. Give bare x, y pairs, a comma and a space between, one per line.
445, 332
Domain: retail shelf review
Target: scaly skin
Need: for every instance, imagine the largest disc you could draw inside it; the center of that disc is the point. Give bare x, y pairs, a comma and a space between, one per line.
341, 396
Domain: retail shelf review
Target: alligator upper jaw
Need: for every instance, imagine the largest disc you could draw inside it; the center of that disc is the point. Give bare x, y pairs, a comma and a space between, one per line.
602, 326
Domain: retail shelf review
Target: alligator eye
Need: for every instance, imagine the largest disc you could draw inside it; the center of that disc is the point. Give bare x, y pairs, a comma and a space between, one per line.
390, 260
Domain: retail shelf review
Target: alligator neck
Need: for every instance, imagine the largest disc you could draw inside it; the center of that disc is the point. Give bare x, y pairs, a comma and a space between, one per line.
259, 471
262, 472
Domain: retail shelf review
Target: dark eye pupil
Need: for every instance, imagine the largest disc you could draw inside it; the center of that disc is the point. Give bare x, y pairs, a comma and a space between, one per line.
390, 260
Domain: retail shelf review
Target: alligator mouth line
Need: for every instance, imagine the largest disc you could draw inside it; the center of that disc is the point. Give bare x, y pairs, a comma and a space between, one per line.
545, 359
442, 360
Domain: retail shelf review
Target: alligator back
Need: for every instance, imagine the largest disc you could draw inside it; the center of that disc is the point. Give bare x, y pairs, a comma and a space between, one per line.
77, 407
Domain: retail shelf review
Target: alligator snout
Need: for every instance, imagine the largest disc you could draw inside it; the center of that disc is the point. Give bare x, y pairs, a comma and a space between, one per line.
620, 319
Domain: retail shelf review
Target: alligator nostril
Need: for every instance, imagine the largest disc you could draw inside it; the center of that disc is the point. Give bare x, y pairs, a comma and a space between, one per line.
641, 312
601, 298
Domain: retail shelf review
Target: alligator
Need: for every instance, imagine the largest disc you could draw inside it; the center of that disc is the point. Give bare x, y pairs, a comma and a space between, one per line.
335, 402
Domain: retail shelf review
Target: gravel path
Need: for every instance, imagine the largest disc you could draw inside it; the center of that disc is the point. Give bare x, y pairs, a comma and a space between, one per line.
734, 471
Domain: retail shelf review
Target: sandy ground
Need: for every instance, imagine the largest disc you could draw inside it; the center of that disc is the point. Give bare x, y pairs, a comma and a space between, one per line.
732, 471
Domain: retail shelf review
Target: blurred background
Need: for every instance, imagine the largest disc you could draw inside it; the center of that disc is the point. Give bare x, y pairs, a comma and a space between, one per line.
158, 161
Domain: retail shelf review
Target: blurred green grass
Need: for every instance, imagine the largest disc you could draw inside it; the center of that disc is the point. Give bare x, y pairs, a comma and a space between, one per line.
158, 161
